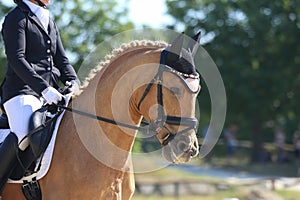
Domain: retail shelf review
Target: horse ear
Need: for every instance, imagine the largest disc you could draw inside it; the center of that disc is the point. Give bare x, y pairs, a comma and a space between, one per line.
194, 43
175, 48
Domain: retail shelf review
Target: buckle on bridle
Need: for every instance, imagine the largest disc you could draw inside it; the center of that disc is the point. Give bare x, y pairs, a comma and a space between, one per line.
156, 125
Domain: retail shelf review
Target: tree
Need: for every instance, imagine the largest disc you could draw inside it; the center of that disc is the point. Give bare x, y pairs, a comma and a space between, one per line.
257, 49
87, 23
3, 9
82, 24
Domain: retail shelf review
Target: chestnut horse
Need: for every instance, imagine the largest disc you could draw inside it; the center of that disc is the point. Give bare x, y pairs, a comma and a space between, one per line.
92, 158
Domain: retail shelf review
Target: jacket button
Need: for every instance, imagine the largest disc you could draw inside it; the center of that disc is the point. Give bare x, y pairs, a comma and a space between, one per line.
49, 59
48, 41
49, 68
48, 50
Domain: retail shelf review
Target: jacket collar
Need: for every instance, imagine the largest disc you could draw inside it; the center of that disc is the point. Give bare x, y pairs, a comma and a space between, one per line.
24, 8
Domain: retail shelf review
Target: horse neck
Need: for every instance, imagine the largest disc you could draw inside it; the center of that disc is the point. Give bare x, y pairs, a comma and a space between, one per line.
109, 95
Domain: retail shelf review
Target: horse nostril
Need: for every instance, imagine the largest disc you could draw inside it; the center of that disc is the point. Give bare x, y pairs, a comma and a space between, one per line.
196, 145
193, 152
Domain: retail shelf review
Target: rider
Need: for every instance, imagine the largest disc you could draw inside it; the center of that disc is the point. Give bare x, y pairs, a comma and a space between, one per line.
36, 63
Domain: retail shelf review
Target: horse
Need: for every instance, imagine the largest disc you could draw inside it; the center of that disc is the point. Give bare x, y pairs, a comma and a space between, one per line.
143, 79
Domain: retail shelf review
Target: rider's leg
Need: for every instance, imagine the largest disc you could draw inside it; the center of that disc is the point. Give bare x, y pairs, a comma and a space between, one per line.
19, 110
8, 157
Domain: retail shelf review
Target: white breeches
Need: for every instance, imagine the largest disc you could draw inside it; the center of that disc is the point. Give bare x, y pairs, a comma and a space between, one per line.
19, 110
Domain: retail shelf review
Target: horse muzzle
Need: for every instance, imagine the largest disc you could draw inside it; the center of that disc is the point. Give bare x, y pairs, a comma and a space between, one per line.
182, 148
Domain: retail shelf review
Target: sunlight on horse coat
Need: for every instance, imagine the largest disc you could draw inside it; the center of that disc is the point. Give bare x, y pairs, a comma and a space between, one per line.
92, 159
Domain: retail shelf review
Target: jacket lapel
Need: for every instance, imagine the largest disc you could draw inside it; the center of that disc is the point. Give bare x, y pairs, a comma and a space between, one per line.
32, 16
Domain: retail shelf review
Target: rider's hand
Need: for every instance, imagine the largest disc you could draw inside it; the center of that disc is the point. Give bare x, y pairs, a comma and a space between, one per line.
51, 95
73, 86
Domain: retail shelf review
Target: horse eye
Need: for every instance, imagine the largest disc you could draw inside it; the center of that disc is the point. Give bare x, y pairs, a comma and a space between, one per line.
175, 90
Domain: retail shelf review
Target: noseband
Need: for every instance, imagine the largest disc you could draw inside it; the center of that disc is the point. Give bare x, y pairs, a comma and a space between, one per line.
162, 118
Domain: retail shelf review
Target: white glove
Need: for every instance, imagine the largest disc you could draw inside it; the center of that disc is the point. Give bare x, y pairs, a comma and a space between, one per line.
73, 86
51, 95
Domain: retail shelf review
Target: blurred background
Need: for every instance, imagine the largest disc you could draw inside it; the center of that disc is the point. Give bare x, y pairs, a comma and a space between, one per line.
256, 46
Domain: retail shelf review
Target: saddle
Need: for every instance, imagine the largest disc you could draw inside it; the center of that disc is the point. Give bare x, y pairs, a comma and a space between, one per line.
41, 126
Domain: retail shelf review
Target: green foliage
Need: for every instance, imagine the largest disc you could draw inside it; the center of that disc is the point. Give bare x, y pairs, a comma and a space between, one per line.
146, 144
82, 24
257, 49
3, 9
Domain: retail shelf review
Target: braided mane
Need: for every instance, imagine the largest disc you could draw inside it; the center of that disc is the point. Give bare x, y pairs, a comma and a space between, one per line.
124, 48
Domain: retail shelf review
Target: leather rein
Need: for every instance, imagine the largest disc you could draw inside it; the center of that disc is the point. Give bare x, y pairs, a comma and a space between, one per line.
162, 119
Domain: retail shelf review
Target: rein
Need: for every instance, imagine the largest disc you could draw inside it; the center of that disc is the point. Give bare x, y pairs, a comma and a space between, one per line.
162, 119
107, 120
150, 129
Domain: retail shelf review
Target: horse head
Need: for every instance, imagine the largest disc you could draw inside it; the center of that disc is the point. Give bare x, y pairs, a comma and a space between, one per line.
172, 113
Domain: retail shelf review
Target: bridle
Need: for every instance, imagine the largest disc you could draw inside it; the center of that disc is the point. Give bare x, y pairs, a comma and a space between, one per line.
162, 119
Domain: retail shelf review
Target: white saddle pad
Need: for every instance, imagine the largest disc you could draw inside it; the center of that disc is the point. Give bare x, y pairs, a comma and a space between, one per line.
46, 159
